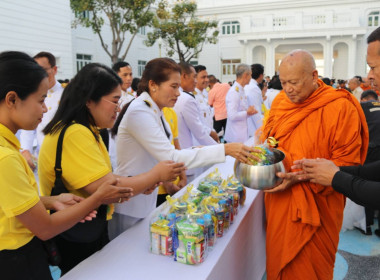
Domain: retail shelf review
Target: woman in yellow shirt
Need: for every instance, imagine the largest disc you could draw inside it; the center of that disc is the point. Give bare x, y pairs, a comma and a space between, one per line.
23, 216
89, 102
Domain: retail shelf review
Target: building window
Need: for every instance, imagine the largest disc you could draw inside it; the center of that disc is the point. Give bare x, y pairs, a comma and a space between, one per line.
229, 66
141, 30
230, 27
280, 21
141, 67
82, 60
373, 19
320, 19
84, 14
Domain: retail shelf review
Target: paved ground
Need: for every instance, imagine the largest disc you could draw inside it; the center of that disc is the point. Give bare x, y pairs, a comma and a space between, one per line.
358, 256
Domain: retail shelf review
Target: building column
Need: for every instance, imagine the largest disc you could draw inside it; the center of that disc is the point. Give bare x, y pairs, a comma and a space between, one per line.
352, 57
328, 56
270, 55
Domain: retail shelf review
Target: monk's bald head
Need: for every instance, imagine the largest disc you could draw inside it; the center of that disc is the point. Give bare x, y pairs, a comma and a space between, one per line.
298, 75
300, 58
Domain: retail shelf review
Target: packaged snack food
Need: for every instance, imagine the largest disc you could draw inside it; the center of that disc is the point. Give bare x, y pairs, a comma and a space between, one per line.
190, 247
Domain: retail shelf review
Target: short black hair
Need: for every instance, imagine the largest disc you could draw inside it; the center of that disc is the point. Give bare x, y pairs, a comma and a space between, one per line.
212, 79
374, 36
369, 93
116, 67
50, 57
257, 70
326, 80
359, 78
135, 83
275, 83
185, 67
200, 68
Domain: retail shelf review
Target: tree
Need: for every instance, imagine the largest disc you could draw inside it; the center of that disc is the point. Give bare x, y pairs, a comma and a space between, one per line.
123, 16
181, 31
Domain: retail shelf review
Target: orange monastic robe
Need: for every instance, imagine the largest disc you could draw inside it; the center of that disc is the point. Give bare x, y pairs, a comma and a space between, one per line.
303, 222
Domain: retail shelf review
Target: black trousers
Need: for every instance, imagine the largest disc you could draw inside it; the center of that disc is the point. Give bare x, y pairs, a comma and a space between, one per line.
72, 253
28, 262
218, 125
372, 155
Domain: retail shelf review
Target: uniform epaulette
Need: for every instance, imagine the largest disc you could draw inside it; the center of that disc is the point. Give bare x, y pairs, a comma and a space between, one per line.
237, 89
148, 103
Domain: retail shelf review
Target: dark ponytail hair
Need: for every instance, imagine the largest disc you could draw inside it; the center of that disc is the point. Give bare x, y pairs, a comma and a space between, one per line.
19, 73
92, 82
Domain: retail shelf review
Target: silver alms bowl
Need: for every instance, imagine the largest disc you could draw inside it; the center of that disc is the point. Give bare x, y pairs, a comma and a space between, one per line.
260, 177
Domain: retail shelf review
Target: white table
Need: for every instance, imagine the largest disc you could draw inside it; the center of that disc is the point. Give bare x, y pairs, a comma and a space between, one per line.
239, 254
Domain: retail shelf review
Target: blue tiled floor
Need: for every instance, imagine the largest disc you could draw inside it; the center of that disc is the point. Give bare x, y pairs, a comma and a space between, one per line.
55, 272
358, 256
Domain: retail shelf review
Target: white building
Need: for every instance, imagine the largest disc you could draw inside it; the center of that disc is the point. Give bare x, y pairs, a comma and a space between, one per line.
45, 25
34, 26
263, 31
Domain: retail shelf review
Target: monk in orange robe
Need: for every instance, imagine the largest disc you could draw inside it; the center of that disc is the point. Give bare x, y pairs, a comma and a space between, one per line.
311, 120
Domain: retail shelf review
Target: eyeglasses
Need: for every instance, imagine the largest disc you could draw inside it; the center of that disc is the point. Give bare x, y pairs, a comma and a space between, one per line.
117, 104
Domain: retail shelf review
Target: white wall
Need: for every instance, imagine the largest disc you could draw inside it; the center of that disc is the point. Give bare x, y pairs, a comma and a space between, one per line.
38, 25
86, 42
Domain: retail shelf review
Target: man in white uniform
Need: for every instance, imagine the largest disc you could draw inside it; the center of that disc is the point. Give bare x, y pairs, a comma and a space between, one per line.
255, 98
124, 70
192, 131
238, 109
27, 137
201, 95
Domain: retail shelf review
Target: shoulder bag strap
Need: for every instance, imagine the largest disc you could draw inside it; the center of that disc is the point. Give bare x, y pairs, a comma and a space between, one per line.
58, 159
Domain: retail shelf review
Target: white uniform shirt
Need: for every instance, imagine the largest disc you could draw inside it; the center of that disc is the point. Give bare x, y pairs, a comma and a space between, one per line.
357, 93
190, 124
206, 111
271, 95
126, 97
27, 137
237, 105
254, 98
142, 143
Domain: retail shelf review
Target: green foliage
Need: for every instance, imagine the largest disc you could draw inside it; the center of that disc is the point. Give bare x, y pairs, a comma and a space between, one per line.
123, 16
182, 32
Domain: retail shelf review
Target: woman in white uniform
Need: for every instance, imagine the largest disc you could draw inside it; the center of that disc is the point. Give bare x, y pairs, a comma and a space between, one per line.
144, 139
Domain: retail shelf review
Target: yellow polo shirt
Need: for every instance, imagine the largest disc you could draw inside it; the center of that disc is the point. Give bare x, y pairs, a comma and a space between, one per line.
18, 192
84, 160
171, 117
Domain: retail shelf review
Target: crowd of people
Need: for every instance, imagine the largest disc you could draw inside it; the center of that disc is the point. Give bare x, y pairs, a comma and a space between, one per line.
106, 148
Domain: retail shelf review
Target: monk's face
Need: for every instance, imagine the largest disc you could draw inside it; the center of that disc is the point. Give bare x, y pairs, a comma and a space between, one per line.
297, 82
373, 61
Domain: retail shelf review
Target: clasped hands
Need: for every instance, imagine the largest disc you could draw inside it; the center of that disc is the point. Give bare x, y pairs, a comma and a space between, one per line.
320, 171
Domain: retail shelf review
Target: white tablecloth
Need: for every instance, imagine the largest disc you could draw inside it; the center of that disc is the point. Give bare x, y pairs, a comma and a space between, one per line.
239, 254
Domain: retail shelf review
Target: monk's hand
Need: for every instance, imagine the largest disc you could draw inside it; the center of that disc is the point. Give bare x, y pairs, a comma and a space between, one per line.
320, 171
289, 179
241, 152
